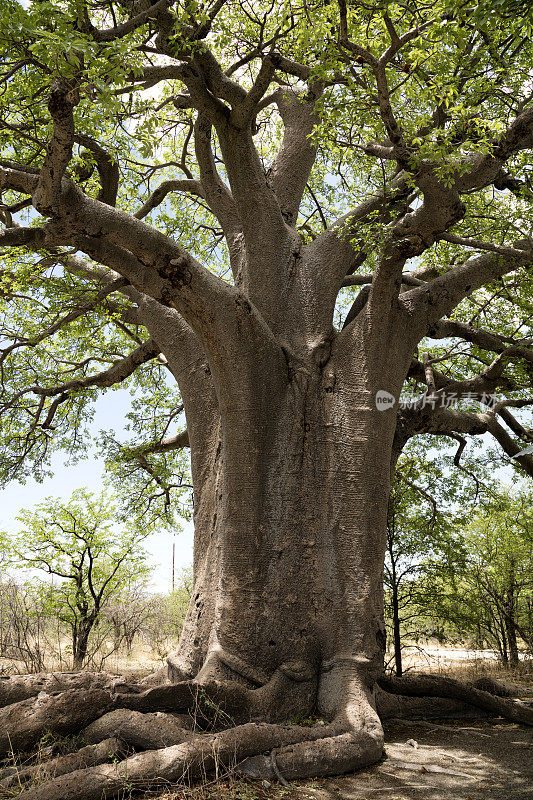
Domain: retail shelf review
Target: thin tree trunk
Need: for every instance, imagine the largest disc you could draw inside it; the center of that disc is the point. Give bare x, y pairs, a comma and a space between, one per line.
509, 616
80, 643
503, 643
510, 629
398, 669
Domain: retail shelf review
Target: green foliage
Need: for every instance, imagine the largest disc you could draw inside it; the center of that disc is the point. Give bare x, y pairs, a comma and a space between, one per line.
430, 503
453, 88
483, 588
91, 560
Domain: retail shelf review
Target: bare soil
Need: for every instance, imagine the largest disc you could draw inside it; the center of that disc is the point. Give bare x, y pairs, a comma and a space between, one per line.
473, 761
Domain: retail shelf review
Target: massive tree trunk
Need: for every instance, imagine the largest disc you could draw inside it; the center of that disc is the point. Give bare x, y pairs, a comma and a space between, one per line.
291, 453
290, 530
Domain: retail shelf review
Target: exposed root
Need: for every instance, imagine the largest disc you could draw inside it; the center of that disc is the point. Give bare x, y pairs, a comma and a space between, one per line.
139, 731
353, 740
435, 686
329, 755
488, 684
391, 706
279, 699
304, 751
182, 697
88, 756
152, 721
157, 678
15, 688
23, 724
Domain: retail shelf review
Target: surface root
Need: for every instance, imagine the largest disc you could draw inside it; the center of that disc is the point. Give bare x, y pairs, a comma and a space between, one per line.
139, 731
299, 751
14, 688
124, 717
87, 756
436, 686
23, 724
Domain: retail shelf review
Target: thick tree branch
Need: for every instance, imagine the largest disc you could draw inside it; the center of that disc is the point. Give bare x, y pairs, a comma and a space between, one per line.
334, 253
63, 98
453, 422
478, 244
427, 304
270, 244
218, 195
16, 177
507, 444
19, 237
487, 340
167, 445
130, 25
246, 109
216, 82
502, 409
292, 166
152, 262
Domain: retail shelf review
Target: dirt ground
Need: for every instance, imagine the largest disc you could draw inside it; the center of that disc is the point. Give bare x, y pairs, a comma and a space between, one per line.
426, 761
456, 760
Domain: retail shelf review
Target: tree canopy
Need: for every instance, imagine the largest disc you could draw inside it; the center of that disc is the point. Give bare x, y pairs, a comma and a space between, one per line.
417, 119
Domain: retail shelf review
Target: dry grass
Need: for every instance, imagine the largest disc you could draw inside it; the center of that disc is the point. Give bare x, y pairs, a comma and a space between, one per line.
469, 665
139, 662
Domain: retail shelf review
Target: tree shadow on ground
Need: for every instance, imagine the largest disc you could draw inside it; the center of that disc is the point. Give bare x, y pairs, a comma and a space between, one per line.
456, 760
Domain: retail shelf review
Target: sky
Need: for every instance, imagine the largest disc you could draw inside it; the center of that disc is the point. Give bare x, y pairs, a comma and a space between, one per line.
110, 409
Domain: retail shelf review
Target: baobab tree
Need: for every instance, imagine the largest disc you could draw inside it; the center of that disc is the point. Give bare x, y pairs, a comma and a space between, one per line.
295, 151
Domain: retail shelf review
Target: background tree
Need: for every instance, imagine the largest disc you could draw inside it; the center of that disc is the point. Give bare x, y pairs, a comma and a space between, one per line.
430, 504
80, 543
484, 585
22, 624
205, 182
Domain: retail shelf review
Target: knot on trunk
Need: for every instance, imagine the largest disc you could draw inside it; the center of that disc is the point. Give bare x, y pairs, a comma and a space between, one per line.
176, 270
63, 97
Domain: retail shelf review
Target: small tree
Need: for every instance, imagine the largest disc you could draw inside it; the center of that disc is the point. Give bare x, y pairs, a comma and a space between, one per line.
410, 524
427, 504
81, 543
486, 586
